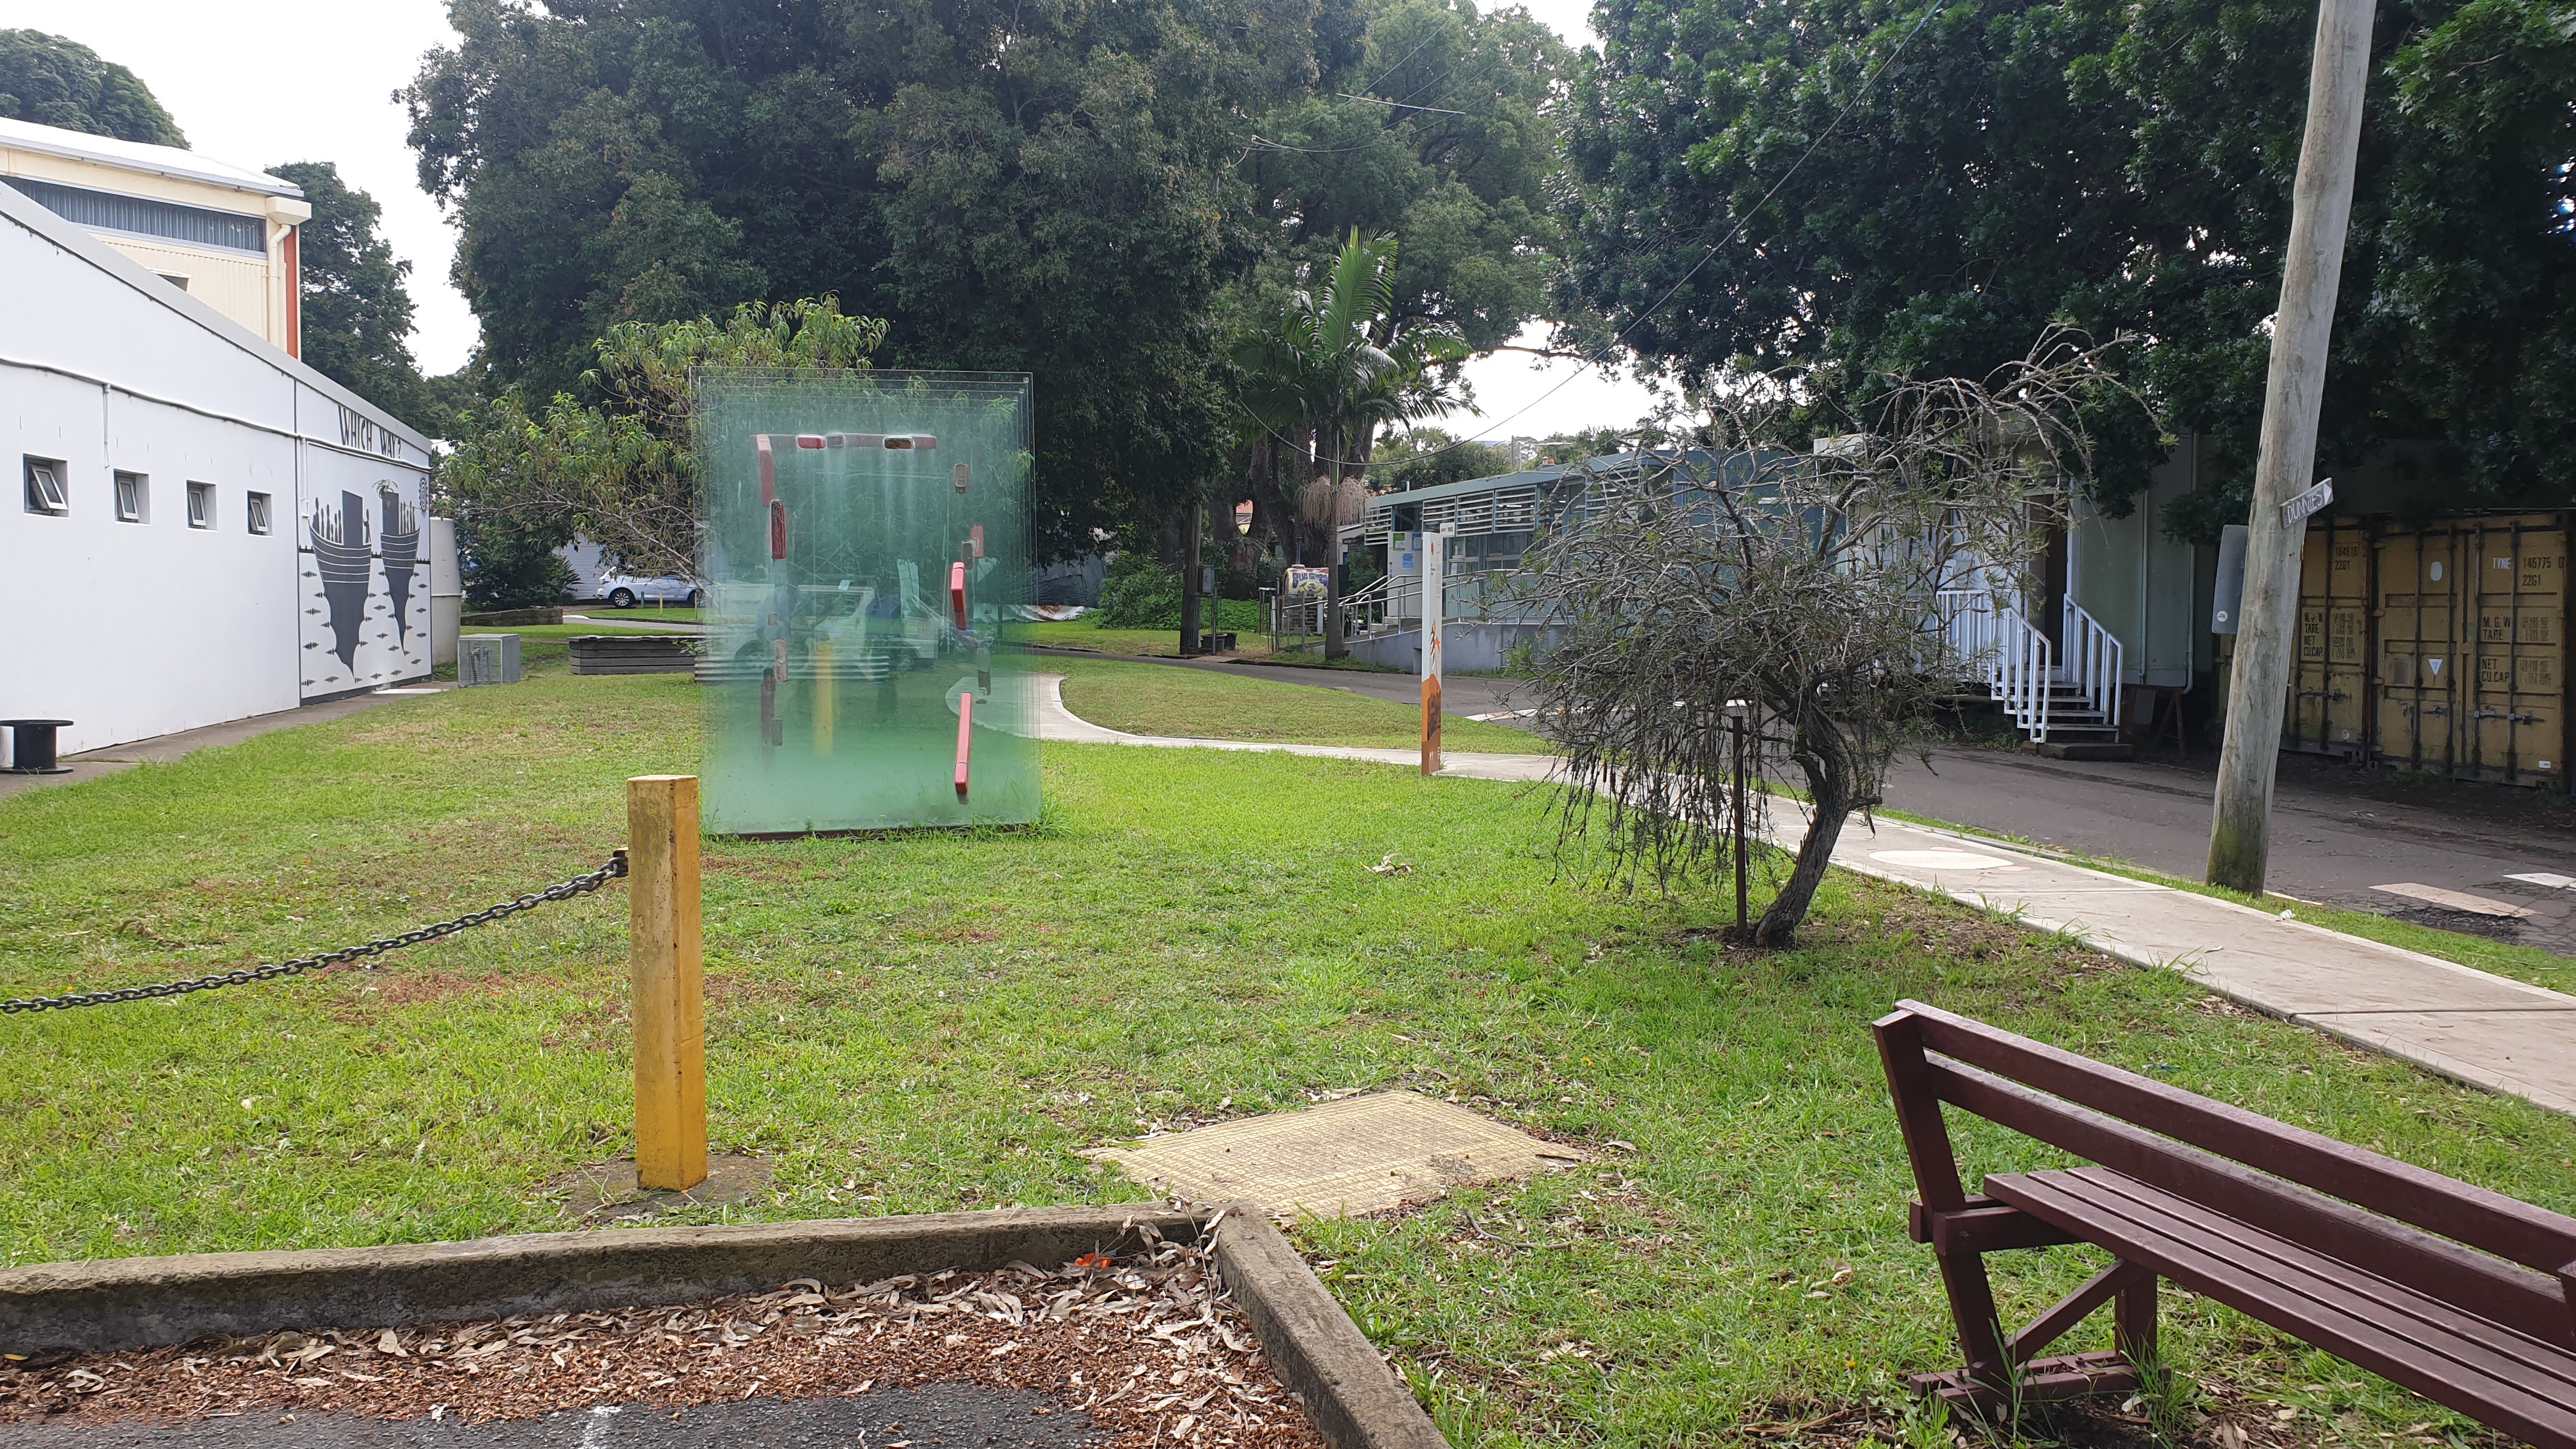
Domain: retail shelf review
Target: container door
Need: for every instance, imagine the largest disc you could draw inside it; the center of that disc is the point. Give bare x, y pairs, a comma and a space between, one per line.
2330, 685
2305, 725
2417, 573
2348, 591
2516, 732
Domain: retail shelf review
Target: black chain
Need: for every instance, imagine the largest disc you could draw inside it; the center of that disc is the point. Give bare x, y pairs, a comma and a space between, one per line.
561, 891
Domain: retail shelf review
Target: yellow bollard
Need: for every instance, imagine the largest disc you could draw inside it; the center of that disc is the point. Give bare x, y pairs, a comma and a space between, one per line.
818, 659
669, 1007
1431, 764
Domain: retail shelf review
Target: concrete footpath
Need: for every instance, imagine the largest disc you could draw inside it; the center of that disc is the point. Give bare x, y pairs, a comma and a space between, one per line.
2468, 1025
169, 749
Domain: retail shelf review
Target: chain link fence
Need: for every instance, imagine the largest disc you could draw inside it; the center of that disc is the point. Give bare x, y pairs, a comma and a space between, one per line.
564, 890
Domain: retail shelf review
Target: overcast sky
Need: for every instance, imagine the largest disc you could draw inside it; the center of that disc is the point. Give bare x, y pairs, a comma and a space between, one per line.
313, 81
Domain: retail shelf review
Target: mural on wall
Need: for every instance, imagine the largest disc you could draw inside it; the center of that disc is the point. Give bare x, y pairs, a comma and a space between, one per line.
358, 546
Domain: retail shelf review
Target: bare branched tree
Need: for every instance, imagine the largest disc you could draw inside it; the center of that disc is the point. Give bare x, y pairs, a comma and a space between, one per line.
1805, 583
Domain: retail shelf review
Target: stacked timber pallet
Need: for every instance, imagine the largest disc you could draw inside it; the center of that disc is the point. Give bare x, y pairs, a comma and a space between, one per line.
634, 654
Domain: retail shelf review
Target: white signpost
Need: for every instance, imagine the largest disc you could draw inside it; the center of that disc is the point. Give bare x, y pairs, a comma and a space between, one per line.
1435, 598
2307, 505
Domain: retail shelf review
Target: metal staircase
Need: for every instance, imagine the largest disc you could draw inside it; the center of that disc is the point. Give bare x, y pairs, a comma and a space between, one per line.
2073, 703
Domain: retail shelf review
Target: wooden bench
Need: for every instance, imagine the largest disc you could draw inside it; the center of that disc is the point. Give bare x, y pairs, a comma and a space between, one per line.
2461, 1294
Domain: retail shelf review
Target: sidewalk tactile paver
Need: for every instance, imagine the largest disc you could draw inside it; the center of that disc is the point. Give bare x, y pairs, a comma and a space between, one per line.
2451, 900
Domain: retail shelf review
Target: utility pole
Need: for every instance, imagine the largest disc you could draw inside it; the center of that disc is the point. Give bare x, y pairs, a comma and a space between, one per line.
2240, 833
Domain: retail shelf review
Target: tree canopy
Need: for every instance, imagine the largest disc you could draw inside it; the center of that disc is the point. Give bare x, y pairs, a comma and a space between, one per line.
1434, 128
1013, 188
2126, 168
1101, 195
57, 82
357, 308
624, 470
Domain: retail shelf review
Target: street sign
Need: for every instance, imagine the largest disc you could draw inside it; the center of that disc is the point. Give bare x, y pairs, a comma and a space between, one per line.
2298, 510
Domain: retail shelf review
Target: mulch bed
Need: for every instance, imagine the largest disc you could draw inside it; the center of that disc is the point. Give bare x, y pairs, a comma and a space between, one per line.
1146, 1342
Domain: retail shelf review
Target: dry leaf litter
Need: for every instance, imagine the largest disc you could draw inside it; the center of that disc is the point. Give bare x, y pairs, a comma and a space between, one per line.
1148, 1343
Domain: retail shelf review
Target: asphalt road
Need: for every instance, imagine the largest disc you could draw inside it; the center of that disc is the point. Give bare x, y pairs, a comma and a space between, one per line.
2336, 837
939, 1416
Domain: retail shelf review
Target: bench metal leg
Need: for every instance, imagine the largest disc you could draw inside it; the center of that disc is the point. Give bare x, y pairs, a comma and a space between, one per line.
1972, 1307
2015, 1374
2133, 1320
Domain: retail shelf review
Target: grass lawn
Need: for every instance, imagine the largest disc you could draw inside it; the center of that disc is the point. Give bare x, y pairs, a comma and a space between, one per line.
1158, 699
1242, 616
640, 614
1083, 634
940, 1020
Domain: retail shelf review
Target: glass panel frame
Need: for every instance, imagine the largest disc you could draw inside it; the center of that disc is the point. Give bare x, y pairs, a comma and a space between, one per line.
864, 535
201, 505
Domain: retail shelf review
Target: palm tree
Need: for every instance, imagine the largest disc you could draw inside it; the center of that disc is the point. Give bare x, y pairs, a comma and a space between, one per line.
1332, 367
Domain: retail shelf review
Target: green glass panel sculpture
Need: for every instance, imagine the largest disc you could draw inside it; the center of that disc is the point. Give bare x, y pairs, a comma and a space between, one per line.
866, 535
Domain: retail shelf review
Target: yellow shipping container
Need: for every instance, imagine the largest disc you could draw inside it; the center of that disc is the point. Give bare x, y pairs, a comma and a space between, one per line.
2472, 640
2329, 709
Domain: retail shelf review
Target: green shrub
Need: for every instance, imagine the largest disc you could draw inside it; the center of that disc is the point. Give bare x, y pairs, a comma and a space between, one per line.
1139, 593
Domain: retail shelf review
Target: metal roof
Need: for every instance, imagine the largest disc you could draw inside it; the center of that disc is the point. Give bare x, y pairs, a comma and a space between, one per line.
1607, 463
138, 156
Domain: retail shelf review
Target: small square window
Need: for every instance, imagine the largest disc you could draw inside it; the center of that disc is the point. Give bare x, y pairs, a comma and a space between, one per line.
258, 512
131, 497
201, 505
45, 491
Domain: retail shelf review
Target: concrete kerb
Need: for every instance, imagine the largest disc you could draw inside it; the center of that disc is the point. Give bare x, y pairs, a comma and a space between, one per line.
2197, 972
120, 1303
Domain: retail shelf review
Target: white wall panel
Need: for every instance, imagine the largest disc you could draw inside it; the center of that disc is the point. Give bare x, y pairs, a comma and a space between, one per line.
139, 629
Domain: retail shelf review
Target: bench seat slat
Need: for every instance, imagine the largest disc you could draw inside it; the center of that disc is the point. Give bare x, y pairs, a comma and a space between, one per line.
2477, 1342
2507, 1227
2510, 1381
2507, 1292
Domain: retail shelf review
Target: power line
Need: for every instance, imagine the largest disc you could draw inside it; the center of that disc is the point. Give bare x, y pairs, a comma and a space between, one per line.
1733, 232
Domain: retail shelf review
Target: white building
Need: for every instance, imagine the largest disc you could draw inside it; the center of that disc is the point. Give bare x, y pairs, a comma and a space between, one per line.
224, 234
206, 529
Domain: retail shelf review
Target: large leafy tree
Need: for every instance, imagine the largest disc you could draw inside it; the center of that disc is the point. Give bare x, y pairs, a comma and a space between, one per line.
2121, 166
1325, 371
1030, 188
57, 82
1437, 126
618, 463
1103, 195
357, 308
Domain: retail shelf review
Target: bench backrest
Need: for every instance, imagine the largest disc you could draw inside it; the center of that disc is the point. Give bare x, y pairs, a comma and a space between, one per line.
2400, 1221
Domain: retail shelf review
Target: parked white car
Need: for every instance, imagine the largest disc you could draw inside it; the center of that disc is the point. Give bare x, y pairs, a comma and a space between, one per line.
625, 591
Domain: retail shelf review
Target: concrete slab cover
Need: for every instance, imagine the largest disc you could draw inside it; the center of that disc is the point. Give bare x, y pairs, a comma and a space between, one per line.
1358, 1155
2451, 900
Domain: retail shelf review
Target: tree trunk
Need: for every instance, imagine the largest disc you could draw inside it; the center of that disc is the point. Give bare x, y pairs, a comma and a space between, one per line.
1335, 646
1269, 511
1829, 773
1191, 540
